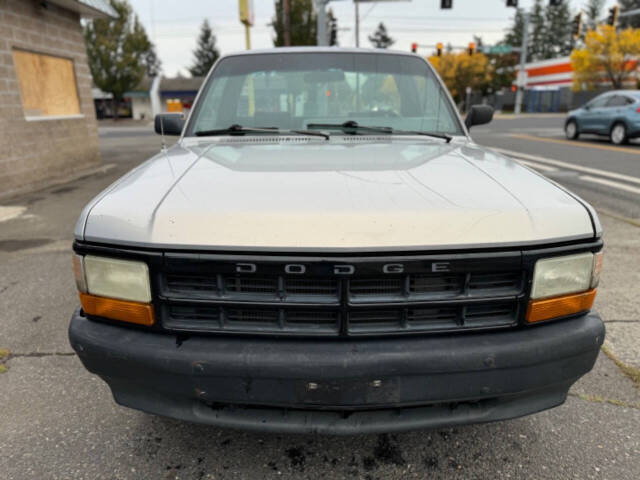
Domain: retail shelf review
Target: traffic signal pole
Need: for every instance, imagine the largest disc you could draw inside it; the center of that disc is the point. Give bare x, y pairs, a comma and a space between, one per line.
522, 73
357, 5
321, 22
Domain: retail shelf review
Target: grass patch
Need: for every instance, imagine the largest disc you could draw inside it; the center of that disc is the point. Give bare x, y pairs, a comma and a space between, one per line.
612, 401
4, 356
632, 372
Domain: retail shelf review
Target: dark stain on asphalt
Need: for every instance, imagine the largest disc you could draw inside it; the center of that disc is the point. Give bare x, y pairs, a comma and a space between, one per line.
387, 452
225, 442
14, 245
61, 190
35, 319
297, 457
431, 462
369, 463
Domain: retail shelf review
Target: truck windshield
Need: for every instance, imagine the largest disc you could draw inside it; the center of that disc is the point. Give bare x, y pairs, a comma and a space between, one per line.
288, 91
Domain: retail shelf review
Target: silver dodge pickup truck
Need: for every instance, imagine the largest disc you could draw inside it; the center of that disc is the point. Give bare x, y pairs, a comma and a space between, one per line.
325, 249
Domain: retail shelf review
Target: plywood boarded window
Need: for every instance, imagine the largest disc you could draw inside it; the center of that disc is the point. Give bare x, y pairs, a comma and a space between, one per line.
47, 84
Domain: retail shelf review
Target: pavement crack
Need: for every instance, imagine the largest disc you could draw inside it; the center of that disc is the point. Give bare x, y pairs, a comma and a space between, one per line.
599, 399
42, 354
630, 371
621, 321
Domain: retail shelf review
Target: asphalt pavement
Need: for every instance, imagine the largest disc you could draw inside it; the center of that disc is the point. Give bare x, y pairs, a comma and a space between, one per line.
57, 421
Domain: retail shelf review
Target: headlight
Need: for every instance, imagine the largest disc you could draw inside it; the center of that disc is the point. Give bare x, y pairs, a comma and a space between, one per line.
121, 279
114, 288
563, 286
561, 275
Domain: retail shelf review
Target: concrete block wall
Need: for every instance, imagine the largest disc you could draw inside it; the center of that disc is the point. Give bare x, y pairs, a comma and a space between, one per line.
35, 153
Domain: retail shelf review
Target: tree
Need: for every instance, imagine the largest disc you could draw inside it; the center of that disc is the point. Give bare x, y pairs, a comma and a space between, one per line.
558, 36
119, 52
206, 53
538, 37
608, 56
380, 38
302, 20
461, 70
593, 9
514, 34
550, 33
632, 20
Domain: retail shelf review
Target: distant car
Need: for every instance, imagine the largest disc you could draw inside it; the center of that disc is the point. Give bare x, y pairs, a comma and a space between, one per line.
615, 114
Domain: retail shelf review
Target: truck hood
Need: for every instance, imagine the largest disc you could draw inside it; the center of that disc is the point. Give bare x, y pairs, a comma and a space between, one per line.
351, 193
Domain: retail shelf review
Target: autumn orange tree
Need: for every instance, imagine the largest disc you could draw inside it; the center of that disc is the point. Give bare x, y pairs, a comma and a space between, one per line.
461, 70
607, 55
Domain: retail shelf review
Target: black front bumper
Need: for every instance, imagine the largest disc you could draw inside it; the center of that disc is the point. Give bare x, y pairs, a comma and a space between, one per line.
341, 386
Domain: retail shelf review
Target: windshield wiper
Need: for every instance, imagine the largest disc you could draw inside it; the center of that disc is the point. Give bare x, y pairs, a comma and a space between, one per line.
352, 127
236, 129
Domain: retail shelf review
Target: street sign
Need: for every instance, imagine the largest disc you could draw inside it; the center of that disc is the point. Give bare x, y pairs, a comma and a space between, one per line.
500, 49
246, 12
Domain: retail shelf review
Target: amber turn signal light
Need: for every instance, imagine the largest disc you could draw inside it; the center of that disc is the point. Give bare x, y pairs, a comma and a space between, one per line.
548, 308
123, 310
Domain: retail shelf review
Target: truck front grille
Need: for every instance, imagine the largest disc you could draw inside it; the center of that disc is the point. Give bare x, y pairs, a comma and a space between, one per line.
350, 297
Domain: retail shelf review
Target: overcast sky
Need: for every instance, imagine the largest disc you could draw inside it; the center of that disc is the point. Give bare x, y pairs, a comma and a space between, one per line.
173, 25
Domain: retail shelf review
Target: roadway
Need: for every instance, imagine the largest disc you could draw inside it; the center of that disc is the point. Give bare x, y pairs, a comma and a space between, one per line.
605, 175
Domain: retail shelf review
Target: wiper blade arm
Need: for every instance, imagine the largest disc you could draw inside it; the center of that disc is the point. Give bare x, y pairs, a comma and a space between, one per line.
351, 126
443, 136
234, 129
240, 130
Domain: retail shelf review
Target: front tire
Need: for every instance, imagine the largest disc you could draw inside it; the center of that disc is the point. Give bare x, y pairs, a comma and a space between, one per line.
618, 134
571, 130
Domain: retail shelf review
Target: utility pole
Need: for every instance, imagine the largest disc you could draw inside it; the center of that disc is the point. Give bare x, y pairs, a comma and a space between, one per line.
357, 4
286, 22
321, 22
522, 73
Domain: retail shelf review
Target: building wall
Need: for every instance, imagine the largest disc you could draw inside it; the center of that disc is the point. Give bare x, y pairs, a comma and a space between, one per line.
141, 108
34, 153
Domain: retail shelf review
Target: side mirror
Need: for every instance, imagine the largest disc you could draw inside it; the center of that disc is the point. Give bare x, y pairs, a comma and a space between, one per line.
479, 115
169, 123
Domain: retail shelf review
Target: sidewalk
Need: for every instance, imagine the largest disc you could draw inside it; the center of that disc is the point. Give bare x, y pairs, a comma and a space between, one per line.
618, 301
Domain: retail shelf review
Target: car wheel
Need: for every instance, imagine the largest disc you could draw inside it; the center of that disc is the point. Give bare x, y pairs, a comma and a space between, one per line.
571, 130
618, 134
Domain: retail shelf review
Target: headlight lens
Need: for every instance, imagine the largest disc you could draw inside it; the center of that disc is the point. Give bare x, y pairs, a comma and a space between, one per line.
115, 278
562, 275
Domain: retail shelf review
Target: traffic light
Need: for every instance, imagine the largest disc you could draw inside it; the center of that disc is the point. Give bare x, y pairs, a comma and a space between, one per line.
612, 19
446, 4
414, 47
555, 3
472, 48
439, 49
333, 29
512, 3
577, 26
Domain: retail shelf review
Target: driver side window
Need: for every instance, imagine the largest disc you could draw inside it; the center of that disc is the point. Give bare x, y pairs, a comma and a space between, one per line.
599, 102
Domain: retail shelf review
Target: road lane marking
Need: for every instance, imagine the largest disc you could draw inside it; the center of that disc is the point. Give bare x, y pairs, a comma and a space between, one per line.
610, 183
538, 166
574, 143
10, 212
569, 166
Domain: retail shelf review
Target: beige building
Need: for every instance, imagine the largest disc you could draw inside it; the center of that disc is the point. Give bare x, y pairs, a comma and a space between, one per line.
48, 128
